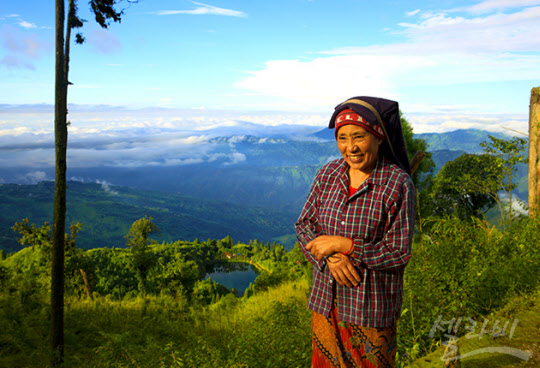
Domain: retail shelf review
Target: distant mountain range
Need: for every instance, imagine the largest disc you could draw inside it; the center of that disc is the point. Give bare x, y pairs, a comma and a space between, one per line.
253, 187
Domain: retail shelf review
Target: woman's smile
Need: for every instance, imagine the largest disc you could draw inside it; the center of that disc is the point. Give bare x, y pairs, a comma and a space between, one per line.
356, 157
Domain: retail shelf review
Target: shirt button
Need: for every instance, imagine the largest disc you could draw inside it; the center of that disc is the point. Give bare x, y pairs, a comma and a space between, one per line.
342, 222
331, 280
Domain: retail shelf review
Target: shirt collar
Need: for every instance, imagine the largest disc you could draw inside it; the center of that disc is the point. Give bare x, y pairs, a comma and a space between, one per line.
379, 175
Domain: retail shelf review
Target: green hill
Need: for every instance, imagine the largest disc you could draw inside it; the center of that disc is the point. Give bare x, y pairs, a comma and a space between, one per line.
467, 140
107, 213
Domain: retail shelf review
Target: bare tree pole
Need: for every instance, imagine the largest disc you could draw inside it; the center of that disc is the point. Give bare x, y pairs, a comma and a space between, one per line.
104, 11
417, 159
534, 152
59, 212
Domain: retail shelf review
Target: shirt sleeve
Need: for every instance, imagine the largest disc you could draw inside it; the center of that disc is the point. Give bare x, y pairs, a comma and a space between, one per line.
394, 250
307, 226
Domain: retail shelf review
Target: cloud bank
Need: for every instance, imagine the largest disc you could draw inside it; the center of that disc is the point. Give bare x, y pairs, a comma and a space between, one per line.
112, 137
103, 136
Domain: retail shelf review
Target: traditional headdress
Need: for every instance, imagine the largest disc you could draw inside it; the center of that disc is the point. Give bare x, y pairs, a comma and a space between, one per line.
348, 116
380, 117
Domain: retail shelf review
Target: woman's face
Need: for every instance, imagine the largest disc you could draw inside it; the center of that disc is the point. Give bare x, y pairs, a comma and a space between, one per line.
359, 148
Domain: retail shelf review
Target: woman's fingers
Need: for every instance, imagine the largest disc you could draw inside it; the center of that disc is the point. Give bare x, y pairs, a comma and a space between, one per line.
343, 271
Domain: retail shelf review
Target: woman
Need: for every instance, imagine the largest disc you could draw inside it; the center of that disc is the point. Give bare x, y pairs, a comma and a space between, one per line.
356, 229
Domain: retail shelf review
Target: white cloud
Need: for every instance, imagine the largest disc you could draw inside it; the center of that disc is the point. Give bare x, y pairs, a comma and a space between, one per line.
412, 13
325, 81
26, 24
227, 158
106, 186
439, 122
237, 157
205, 9
494, 33
494, 5
518, 207
34, 177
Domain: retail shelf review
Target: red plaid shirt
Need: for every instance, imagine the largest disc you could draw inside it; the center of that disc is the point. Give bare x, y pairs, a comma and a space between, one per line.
379, 217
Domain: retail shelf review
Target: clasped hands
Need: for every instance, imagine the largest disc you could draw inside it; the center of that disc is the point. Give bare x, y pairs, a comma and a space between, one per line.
340, 265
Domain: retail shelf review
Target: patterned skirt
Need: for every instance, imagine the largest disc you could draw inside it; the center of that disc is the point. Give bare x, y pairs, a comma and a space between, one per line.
341, 344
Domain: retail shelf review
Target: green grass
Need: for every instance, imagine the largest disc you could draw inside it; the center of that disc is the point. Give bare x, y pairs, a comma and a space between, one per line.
271, 329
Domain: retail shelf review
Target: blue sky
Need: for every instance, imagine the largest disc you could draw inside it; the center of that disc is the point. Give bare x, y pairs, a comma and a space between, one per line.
450, 64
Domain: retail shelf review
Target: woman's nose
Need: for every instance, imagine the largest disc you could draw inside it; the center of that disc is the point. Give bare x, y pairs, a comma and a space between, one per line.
351, 146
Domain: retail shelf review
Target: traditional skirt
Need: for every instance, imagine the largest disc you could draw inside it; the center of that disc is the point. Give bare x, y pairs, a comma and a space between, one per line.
341, 344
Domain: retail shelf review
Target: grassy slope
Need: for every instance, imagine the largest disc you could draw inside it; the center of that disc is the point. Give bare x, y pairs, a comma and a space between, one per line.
271, 329
526, 338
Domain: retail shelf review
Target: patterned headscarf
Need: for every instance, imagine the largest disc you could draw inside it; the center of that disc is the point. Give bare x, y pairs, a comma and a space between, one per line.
379, 115
348, 116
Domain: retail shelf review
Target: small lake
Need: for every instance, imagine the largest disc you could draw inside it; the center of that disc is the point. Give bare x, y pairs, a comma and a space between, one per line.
236, 275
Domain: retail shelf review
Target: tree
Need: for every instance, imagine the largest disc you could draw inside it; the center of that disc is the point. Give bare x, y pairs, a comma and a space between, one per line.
37, 237
141, 257
466, 187
534, 153
40, 238
104, 11
510, 153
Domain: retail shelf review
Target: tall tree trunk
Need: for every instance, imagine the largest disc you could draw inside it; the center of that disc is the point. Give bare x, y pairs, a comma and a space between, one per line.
87, 287
59, 214
534, 153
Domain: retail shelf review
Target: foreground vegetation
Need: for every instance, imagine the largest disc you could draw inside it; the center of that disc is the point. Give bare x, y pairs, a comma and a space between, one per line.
175, 318
468, 270
268, 330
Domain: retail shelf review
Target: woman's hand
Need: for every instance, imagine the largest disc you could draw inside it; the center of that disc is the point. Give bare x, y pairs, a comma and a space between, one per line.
342, 270
326, 245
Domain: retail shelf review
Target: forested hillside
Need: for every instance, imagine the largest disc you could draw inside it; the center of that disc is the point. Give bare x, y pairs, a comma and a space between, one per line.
107, 213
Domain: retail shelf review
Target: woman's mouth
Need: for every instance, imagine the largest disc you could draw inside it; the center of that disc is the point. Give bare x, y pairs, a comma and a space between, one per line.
356, 158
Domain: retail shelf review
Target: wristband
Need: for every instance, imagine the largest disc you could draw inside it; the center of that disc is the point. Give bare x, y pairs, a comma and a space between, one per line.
350, 249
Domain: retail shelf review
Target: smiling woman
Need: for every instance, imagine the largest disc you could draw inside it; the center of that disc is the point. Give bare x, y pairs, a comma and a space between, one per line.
356, 229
